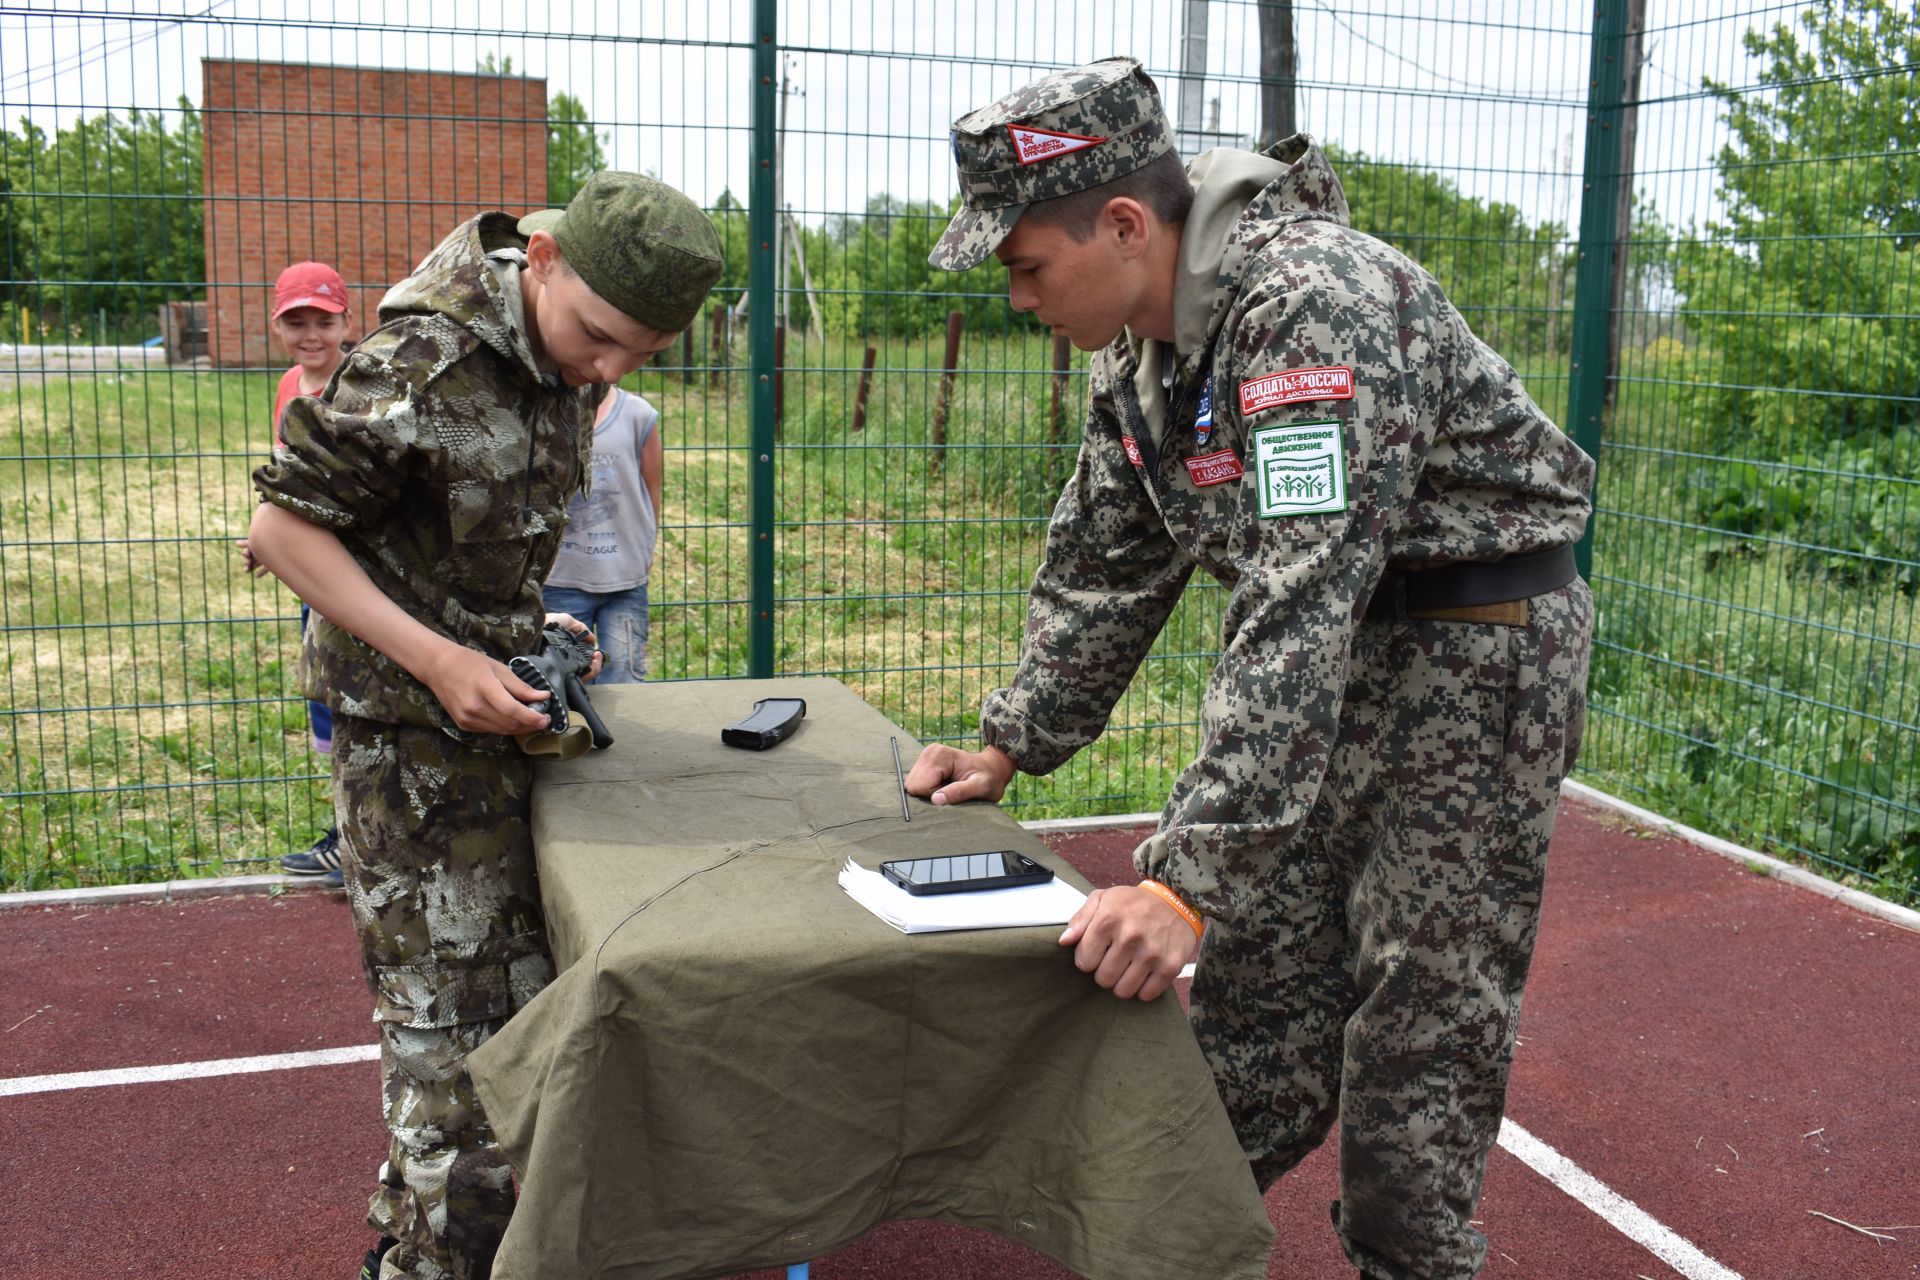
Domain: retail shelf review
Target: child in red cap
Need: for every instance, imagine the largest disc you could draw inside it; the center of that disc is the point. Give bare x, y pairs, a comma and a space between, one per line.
311, 323
310, 319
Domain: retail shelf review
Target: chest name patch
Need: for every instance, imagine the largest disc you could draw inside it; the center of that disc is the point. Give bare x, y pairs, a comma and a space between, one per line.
1031, 146
1214, 468
1300, 468
1330, 382
1132, 447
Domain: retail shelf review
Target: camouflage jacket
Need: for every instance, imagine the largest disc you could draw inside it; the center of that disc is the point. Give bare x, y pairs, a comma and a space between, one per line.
1329, 415
444, 460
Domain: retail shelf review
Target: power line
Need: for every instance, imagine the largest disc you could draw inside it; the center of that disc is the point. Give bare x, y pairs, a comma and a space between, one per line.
1397, 56
101, 51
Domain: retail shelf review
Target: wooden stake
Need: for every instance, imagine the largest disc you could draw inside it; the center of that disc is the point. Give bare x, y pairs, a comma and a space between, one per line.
956, 325
860, 396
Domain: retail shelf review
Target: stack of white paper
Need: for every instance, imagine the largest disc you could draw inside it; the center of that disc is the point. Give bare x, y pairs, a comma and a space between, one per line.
1029, 904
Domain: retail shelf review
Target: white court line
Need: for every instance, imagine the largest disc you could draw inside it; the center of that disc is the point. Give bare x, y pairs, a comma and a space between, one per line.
187, 1070
1627, 1217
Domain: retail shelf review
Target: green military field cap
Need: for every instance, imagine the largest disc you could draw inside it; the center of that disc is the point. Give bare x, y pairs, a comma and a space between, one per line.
1061, 134
639, 244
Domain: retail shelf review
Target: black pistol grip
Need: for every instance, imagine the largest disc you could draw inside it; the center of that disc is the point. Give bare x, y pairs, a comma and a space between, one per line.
578, 700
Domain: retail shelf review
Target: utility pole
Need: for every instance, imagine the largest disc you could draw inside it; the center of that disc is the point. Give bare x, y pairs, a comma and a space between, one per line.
1279, 68
1623, 210
788, 89
1190, 140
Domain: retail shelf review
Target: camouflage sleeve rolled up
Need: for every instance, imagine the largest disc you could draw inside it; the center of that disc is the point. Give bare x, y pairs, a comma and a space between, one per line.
349, 453
1301, 571
1111, 576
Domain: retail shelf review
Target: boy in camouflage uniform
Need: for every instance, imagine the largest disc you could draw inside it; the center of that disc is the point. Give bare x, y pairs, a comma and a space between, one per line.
1296, 409
418, 503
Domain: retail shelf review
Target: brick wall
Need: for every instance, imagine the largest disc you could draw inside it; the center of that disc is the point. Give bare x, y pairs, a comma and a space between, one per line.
363, 169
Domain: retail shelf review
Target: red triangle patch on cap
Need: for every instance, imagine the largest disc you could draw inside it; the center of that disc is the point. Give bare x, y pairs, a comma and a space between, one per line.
1032, 145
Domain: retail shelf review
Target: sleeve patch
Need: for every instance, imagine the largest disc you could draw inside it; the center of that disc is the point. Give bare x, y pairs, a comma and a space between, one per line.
1328, 382
1300, 468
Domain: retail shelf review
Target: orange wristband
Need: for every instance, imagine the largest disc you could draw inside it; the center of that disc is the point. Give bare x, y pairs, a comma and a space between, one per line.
1172, 899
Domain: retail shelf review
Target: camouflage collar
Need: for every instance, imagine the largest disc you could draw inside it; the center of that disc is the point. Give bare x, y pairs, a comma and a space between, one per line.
472, 278
1306, 189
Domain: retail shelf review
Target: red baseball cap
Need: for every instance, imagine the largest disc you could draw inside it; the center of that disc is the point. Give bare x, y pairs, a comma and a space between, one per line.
309, 284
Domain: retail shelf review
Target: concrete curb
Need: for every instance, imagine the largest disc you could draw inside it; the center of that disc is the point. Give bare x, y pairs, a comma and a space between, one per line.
168, 890
1752, 859
161, 891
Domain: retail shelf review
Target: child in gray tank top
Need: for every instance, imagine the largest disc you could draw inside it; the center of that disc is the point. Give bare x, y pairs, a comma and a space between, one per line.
600, 575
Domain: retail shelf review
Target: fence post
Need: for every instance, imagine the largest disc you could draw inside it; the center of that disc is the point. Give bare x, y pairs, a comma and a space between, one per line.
956, 324
717, 346
779, 378
1593, 281
760, 308
860, 396
1062, 360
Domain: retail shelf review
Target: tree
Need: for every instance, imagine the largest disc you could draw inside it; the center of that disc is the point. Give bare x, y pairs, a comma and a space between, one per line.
573, 149
1508, 277
21, 156
115, 219
1806, 286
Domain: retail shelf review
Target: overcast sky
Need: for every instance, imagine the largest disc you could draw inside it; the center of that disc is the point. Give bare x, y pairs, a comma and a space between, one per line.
1490, 92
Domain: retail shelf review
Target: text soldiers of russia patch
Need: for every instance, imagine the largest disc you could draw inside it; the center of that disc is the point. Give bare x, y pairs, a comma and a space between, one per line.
1329, 382
1301, 469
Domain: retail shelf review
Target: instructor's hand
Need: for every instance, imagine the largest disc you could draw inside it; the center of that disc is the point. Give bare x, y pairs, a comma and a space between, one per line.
481, 695
951, 775
1132, 943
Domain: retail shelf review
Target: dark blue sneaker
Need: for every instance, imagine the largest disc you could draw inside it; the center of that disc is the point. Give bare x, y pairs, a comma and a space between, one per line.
334, 879
322, 859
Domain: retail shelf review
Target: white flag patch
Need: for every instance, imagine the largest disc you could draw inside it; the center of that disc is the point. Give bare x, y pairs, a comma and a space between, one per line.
1034, 145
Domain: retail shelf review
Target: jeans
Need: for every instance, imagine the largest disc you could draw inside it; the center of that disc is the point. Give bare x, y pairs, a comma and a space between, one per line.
619, 623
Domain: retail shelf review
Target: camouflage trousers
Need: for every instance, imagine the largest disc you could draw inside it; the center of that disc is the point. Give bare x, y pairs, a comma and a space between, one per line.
1379, 982
438, 854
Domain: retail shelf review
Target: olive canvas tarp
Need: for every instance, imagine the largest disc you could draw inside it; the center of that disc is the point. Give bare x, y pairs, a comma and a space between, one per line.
739, 1066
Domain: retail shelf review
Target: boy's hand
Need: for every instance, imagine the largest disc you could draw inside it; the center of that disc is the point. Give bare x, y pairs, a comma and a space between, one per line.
482, 695
247, 560
1132, 943
580, 628
951, 775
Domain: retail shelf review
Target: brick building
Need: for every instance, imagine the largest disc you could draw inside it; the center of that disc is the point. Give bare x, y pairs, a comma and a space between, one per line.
361, 168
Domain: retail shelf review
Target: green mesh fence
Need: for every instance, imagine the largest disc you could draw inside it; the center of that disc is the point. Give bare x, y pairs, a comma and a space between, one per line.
1757, 545
862, 453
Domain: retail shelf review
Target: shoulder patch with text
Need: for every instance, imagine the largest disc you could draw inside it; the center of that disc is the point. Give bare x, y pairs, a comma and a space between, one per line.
1329, 382
1031, 145
1214, 468
1300, 468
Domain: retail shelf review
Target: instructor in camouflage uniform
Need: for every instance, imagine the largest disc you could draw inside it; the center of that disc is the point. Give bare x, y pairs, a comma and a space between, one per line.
417, 504
1296, 409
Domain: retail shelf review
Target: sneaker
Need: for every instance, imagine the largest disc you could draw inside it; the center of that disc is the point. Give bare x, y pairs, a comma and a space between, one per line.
334, 879
319, 860
370, 1266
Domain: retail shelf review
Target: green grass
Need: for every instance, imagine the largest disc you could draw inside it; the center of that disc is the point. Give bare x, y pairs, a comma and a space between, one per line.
1755, 672
1748, 684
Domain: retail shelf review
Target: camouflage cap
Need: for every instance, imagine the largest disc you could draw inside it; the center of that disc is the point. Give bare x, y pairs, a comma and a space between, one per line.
639, 244
1061, 134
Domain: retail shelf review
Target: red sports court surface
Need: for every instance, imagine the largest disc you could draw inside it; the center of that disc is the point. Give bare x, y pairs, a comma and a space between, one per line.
1708, 1056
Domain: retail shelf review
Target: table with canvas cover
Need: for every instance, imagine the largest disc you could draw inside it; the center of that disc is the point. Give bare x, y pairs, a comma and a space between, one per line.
739, 1066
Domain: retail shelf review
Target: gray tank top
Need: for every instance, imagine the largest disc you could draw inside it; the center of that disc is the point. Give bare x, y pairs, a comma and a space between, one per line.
608, 545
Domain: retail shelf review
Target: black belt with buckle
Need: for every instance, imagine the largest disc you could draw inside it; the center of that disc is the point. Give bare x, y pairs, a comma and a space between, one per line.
1473, 590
